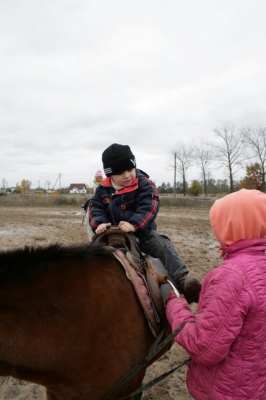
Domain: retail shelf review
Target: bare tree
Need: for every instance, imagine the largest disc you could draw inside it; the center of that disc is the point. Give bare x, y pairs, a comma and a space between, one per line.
183, 157
48, 183
203, 156
4, 184
256, 140
230, 151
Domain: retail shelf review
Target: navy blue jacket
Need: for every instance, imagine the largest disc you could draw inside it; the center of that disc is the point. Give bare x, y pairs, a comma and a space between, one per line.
137, 204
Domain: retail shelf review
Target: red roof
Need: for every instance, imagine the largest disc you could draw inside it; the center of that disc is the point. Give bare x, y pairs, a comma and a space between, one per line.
79, 186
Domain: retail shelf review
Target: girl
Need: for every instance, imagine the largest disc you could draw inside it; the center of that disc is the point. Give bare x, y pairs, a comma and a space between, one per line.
226, 339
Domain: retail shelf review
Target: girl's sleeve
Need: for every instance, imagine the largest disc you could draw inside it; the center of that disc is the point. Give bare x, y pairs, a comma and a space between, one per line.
208, 335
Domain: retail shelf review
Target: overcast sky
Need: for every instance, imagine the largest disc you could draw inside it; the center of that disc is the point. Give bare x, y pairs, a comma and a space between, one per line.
79, 75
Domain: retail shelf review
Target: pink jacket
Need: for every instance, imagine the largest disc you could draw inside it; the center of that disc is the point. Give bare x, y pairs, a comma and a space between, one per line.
226, 339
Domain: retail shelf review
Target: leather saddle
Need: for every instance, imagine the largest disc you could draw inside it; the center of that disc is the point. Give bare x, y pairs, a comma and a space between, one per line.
146, 273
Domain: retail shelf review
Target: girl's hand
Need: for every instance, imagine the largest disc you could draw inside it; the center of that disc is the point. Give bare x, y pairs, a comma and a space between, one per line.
126, 227
102, 228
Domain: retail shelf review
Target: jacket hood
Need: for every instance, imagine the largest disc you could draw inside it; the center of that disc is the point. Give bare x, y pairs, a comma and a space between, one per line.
239, 215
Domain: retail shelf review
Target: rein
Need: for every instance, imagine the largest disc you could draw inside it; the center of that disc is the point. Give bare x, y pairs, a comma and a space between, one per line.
139, 366
156, 380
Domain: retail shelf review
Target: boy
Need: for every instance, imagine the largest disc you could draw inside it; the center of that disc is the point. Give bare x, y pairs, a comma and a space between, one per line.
128, 198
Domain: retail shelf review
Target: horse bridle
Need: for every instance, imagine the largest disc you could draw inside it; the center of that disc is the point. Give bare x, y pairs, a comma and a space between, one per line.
138, 367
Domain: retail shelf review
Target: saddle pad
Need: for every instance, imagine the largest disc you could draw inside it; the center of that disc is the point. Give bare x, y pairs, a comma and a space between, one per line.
140, 287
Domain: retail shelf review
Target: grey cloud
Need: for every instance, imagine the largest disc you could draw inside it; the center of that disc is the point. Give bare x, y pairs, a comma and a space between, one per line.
78, 76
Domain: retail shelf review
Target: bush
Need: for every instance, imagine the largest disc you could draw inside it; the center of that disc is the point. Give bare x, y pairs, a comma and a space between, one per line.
195, 189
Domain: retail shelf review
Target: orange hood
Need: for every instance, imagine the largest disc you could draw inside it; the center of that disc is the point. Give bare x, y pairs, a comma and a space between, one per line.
239, 215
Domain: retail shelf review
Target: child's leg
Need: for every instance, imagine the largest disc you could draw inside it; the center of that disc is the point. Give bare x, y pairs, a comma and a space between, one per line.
160, 246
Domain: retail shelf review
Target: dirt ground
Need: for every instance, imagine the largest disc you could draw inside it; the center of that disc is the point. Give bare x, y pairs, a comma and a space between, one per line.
188, 228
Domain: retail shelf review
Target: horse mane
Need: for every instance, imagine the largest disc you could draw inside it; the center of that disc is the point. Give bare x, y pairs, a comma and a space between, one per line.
20, 262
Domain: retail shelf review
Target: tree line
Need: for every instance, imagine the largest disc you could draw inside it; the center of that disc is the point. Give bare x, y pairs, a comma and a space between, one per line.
233, 149
196, 187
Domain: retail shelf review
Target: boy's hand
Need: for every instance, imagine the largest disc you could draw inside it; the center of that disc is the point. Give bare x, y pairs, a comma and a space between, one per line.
102, 228
126, 227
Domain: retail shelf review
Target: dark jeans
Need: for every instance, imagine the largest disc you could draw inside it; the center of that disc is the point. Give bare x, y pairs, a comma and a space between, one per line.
160, 246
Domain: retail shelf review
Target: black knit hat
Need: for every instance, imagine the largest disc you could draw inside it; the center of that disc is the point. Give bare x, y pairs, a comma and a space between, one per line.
117, 158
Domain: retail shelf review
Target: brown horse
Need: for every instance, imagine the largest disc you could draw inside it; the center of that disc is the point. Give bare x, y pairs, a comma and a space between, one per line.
70, 320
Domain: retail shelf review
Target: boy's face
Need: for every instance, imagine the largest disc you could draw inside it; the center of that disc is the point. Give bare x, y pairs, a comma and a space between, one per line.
125, 178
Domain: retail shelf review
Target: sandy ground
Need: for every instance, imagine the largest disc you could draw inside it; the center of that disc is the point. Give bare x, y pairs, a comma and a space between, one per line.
188, 228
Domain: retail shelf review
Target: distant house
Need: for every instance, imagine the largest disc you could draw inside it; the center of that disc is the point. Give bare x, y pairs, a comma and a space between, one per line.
77, 188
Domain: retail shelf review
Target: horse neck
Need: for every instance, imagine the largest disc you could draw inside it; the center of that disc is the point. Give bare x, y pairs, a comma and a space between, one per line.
26, 307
